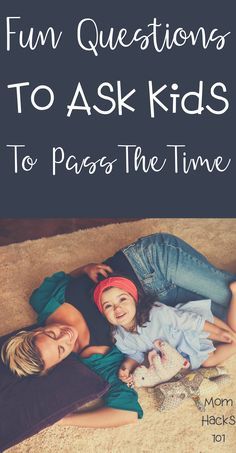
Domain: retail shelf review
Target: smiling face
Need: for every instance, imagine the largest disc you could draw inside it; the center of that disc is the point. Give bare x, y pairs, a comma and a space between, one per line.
55, 342
119, 307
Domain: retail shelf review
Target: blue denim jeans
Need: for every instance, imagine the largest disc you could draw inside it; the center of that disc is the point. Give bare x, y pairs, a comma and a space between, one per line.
174, 272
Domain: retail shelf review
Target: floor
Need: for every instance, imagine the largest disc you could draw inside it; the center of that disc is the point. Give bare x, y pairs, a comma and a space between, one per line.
19, 230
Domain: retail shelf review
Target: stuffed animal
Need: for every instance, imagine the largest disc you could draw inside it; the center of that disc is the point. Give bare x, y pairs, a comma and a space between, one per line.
162, 366
197, 385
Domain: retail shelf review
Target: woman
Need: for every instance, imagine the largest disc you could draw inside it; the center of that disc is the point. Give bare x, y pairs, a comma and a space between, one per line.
161, 265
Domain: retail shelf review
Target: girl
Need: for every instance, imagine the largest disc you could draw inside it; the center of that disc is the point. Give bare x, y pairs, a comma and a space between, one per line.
190, 327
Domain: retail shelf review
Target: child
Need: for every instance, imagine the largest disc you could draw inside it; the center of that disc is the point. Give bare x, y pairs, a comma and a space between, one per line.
190, 327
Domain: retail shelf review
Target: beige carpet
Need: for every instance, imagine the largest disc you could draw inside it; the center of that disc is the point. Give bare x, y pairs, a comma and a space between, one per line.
22, 267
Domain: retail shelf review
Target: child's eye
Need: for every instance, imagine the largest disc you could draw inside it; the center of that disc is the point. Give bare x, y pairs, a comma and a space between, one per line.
123, 299
107, 306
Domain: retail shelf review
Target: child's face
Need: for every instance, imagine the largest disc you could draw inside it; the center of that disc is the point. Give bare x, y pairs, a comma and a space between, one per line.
119, 307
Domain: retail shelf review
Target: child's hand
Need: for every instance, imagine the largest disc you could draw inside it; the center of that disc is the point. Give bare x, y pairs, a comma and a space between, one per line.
228, 337
94, 269
125, 376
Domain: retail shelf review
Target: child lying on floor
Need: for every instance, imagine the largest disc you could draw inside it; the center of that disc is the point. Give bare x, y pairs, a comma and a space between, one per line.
190, 328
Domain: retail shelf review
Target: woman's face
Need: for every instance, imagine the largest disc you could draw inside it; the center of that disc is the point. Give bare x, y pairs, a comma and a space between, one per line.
119, 307
55, 342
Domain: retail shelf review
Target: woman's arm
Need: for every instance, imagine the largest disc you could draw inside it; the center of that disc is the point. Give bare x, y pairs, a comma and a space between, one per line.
105, 417
51, 292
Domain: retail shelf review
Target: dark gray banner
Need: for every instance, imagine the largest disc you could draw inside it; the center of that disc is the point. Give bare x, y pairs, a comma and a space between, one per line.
115, 109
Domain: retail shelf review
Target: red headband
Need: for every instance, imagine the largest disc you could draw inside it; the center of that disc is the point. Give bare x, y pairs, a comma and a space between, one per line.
117, 282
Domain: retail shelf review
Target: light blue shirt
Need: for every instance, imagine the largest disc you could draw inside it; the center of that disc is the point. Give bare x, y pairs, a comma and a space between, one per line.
181, 327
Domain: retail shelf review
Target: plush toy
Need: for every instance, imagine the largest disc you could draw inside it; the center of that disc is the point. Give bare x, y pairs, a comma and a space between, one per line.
197, 385
163, 365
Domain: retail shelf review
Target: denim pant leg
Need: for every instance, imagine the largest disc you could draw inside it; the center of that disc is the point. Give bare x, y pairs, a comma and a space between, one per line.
174, 272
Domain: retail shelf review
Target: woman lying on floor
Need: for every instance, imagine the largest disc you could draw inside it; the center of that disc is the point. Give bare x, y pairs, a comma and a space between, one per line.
160, 265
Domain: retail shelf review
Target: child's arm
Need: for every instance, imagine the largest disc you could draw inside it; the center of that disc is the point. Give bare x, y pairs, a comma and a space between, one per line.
219, 331
223, 325
126, 369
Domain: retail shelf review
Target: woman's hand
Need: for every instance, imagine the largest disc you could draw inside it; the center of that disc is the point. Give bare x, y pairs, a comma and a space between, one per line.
94, 269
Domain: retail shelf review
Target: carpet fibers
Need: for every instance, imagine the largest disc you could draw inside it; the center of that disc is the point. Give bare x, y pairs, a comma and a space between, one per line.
22, 268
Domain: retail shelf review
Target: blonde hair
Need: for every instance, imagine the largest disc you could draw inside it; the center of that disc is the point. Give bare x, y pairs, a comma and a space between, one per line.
22, 355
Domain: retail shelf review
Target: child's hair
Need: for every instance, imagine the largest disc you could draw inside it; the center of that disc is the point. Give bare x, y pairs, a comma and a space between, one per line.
144, 304
21, 354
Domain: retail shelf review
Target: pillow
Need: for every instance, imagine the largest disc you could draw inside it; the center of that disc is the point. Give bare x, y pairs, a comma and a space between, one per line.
32, 403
